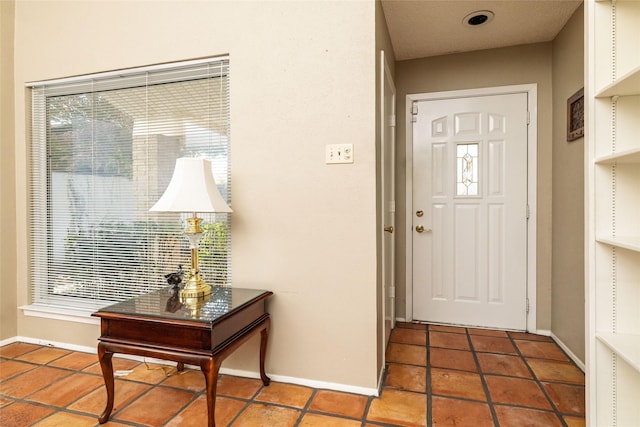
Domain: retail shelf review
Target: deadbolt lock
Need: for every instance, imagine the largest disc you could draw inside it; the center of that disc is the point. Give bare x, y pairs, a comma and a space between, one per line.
419, 214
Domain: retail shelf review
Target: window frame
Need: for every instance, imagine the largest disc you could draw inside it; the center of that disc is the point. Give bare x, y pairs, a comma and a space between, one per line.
54, 306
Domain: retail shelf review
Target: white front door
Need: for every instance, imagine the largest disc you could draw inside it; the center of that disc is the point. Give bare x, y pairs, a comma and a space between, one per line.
470, 211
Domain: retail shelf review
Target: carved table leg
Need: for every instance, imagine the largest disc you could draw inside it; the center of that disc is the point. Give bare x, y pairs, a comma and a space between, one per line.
106, 364
264, 335
210, 369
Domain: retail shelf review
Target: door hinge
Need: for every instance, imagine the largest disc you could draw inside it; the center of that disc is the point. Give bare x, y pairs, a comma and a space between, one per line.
528, 118
414, 111
392, 206
528, 212
392, 120
527, 305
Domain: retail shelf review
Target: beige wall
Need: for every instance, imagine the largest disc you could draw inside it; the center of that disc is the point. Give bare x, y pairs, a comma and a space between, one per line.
304, 229
568, 321
495, 67
8, 323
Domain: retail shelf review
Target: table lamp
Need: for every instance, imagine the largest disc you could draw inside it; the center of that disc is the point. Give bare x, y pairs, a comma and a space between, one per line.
192, 189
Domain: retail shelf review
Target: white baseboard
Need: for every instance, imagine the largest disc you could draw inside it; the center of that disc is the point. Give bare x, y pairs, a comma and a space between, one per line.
62, 345
8, 341
563, 346
225, 371
566, 349
304, 382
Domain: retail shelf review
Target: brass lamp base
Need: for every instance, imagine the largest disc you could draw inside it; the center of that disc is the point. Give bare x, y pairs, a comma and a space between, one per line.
195, 294
194, 300
195, 288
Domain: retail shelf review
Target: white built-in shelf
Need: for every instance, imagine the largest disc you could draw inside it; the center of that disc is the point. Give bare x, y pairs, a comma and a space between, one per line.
626, 346
629, 84
611, 39
630, 243
628, 156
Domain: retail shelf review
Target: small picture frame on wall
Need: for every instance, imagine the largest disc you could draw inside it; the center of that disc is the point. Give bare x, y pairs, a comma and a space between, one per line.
575, 116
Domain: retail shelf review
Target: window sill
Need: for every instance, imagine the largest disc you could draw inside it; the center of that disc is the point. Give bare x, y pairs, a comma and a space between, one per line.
59, 313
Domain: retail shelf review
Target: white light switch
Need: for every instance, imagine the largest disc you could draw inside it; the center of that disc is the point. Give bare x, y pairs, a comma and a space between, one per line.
339, 153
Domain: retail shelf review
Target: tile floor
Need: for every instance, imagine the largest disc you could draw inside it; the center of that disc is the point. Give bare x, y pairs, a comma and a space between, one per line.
437, 376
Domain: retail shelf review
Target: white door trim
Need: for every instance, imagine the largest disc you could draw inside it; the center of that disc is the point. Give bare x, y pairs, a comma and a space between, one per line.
532, 161
387, 79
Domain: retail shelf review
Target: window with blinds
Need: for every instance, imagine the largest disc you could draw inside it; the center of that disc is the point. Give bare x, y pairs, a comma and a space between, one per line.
103, 152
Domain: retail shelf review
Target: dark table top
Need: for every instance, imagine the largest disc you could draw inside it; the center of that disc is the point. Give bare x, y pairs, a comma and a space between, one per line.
165, 303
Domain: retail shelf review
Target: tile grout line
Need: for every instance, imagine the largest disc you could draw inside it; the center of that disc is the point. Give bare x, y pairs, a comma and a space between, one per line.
117, 411
25, 397
248, 403
428, 390
304, 410
483, 380
364, 421
81, 371
556, 411
193, 399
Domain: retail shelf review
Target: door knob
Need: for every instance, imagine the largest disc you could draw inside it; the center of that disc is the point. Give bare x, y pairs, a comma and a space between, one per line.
421, 229
389, 229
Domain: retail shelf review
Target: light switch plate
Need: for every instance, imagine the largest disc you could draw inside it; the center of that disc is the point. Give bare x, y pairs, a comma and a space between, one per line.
339, 153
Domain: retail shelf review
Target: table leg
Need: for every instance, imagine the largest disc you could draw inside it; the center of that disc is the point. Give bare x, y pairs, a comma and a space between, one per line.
106, 364
210, 369
264, 335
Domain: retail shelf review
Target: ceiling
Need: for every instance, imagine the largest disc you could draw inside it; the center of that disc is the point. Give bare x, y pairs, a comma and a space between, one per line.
423, 28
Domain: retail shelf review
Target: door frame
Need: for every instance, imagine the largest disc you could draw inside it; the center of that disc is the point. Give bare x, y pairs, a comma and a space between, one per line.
532, 155
386, 79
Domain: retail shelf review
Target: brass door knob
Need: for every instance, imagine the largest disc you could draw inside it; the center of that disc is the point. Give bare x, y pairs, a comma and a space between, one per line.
421, 229
389, 229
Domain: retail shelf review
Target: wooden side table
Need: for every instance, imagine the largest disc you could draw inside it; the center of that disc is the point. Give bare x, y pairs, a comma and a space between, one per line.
201, 332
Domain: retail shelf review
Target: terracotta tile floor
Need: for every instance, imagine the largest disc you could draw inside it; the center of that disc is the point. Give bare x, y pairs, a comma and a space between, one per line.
436, 376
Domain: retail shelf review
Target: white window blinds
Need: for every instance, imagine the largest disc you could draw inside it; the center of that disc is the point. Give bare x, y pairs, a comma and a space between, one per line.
103, 151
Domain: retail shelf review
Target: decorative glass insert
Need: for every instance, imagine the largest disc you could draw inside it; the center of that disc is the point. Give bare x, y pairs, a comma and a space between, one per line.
467, 170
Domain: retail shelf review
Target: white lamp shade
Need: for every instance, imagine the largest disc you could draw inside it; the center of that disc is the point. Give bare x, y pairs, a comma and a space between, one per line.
192, 189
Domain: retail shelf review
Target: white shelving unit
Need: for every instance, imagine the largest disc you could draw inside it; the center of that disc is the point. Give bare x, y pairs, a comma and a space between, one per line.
612, 97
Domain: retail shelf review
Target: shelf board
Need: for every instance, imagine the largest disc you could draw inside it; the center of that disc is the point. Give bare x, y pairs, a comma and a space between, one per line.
628, 156
630, 243
629, 84
626, 346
